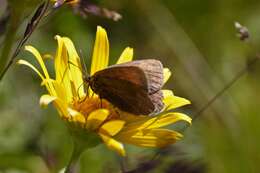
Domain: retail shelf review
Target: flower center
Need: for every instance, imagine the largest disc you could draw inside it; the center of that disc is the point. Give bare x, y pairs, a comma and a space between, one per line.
89, 104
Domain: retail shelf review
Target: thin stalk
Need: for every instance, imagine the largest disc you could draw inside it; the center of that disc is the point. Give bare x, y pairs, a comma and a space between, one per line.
213, 99
226, 87
82, 140
77, 150
5, 61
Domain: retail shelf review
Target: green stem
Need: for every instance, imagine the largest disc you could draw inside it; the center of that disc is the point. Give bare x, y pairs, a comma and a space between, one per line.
82, 140
77, 150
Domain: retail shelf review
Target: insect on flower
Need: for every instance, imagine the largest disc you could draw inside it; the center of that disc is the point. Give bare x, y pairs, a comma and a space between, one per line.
91, 124
133, 87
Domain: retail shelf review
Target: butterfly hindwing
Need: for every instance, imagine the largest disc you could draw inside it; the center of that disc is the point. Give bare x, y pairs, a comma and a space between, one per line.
127, 92
156, 99
153, 71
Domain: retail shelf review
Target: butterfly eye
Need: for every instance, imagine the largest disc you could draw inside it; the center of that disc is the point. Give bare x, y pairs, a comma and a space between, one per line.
87, 79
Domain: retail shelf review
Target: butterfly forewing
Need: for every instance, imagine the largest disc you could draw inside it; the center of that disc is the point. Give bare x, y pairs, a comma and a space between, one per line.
125, 87
153, 70
131, 74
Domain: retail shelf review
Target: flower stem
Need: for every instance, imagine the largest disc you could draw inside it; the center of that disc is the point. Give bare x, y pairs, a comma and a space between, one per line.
82, 140
77, 150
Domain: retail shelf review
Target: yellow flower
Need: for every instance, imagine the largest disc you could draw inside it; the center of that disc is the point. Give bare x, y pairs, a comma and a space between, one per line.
84, 113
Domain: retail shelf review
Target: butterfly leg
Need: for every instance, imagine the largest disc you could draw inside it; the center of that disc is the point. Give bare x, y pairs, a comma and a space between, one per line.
101, 105
87, 92
117, 112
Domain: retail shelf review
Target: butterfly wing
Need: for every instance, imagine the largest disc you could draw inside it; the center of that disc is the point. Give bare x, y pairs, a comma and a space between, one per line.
125, 87
153, 70
156, 99
131, 74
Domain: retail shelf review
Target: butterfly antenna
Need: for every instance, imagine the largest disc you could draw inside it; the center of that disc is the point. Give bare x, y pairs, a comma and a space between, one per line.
63, 76
85, 70
66, 70
71, 63
86, 74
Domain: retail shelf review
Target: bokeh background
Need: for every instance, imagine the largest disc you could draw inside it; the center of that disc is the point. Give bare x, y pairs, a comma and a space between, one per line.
195, 39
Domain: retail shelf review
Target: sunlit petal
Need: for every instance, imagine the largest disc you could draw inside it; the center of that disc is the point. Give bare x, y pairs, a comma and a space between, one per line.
113, 144
76, 116
26, 63
131, 118
37, 55
167, 119
75, 69
46, 99
151, 138
96, 118
60, 59
167, 93
166, 74
111, 128
126, 56
62, 69
101, 51
56, 89
173, 102
156, 122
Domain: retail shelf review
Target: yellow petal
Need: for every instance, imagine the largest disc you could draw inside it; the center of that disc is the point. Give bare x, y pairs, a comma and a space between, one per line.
75, 69
151, 138
156, 122
166, 74
56, 89
167, 93
130, 118
167, 119
113, 144
62, 68
46, 99
173, 102
39, 59
101, 51
126, 56
76, 116
112, 127
62, 107
59, 61
96, 118
68, 68
26, 63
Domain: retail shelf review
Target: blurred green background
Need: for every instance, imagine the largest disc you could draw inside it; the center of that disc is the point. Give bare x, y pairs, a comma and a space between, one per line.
195, 39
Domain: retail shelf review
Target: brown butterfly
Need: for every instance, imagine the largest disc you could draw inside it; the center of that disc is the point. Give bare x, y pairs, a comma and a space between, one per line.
134, 87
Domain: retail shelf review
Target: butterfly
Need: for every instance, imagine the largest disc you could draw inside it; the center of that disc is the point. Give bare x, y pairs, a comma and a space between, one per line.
133, 87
